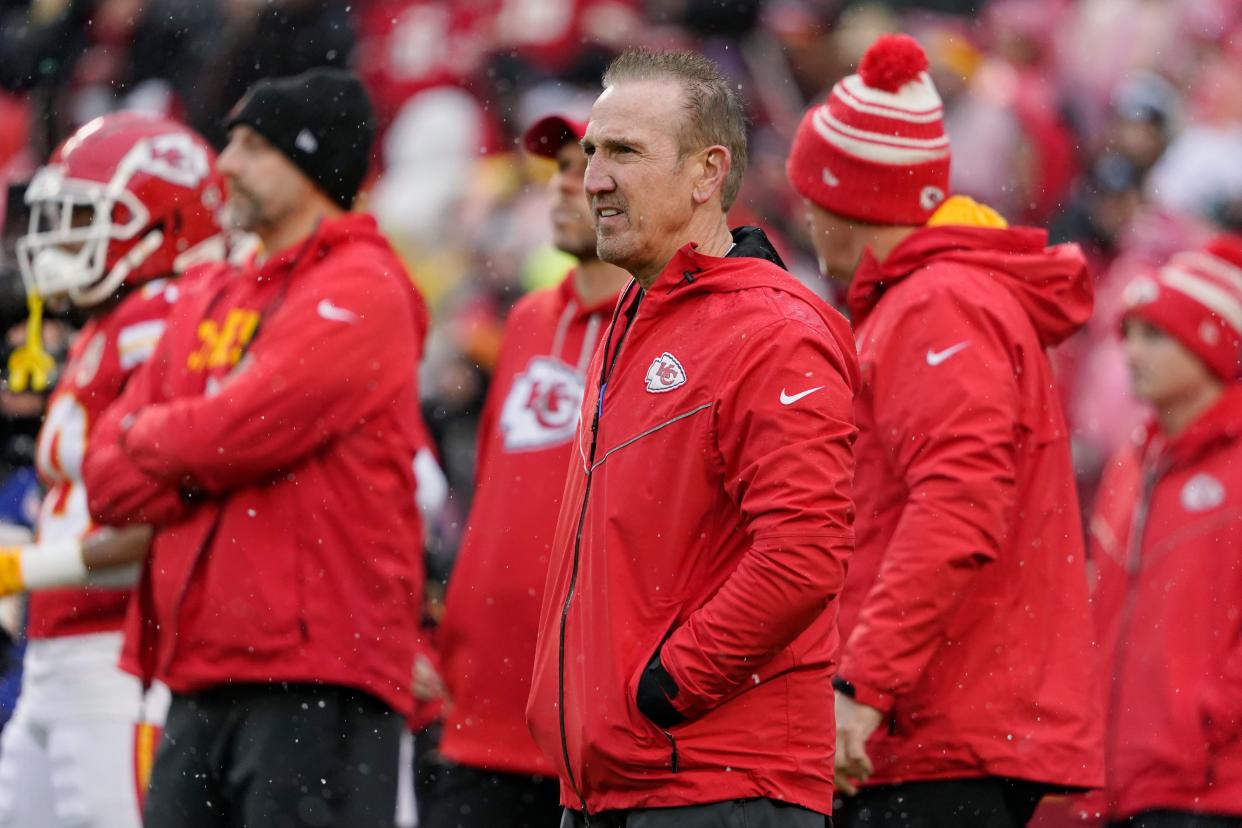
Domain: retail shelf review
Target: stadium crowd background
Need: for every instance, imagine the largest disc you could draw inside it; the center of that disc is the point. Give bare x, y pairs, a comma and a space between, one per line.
1114, 123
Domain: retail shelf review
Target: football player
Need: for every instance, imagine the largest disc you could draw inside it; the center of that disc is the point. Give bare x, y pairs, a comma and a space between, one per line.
125, 204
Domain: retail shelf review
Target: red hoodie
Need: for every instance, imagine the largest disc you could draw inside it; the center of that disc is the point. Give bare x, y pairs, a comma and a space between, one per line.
1167, 539
491, 614
974, 633
271, 440
706, 521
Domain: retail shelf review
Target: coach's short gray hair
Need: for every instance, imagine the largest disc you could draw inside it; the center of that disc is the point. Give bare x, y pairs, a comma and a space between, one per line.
713, 109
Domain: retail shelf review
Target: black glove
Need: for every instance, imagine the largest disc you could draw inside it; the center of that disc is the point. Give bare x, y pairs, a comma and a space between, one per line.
656, 689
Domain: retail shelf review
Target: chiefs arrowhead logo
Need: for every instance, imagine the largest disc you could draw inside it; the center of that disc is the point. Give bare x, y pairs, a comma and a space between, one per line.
542, 406
665, 374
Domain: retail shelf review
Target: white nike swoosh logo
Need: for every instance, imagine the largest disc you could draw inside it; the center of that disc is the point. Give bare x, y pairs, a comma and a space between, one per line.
786, 399
936, 357
334, 313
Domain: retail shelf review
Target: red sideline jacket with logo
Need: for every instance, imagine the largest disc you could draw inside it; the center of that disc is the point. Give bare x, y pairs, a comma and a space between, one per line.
974, 634
271, 440
1167, 538
491, 615
706, 521
107, 351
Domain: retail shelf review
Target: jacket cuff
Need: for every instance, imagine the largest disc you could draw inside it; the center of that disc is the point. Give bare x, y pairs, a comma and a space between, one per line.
656, 691
864, 694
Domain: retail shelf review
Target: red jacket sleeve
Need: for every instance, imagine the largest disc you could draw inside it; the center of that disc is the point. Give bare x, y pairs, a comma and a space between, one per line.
947, 407
118, 492
785, 431
308, 378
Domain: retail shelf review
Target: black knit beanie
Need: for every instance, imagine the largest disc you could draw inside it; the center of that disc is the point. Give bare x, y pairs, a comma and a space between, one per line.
321, 119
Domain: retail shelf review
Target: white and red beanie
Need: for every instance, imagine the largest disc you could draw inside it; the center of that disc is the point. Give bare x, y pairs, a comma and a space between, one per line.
876, 150
1197, 299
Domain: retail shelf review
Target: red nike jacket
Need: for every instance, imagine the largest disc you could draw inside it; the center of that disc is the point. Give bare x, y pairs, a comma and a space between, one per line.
271, 441
491, 613
974, 632
1167, 541
688, 633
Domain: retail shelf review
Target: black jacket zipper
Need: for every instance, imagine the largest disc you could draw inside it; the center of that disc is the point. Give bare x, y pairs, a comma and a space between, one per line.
605, 374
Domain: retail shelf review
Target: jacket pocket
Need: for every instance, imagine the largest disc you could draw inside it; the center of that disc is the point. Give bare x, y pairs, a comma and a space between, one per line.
252, 591
667, 741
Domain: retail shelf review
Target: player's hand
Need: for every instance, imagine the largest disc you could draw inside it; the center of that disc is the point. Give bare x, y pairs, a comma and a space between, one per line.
11, 579
855, 724
428, 686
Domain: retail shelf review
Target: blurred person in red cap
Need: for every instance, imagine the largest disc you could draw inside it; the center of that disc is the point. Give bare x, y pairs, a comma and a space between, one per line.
687, 640
1167, 542
271, 440
499, 777
968, 684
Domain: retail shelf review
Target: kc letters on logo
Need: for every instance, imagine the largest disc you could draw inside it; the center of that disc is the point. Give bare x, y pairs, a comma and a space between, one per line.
665, 374
542, 407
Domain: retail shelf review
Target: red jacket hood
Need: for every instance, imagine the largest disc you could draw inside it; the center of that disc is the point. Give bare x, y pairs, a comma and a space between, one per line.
1051, 283
330, 234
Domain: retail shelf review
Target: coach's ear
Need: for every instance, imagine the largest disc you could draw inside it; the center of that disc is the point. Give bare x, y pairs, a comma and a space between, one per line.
713, 167
655, 694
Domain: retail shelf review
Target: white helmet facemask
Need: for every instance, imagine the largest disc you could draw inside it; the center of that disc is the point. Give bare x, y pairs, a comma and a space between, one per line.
71, 224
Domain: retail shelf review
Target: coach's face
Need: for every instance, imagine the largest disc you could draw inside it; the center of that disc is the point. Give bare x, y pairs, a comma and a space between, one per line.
265, 187
641, 192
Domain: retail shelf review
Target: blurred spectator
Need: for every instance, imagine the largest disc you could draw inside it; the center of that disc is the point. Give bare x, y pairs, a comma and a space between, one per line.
1143, 117
1100, 209
262, 39
1167, 542
1013, 146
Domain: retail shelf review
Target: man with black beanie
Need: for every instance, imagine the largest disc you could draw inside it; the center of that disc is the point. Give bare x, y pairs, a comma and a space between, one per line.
270, 440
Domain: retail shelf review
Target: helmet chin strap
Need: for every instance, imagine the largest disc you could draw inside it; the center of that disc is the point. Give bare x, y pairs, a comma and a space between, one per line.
105, 287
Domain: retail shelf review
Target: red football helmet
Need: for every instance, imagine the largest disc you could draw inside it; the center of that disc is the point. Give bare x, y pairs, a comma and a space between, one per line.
127, 198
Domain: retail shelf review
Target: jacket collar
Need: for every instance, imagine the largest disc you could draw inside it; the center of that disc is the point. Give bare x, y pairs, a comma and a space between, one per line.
690, 271
327, 235
1220, 424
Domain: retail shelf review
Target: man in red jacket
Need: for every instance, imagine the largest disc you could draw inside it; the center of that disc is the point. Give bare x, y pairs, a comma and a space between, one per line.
1167, 540
526, 434
968, 685
687, 638
271, 440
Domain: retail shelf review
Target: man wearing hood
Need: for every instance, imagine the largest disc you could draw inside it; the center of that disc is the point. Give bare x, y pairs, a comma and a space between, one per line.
967, 687
687, 638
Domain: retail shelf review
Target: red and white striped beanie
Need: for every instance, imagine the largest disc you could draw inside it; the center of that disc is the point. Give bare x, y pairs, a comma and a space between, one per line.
1197, 299
876, 150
